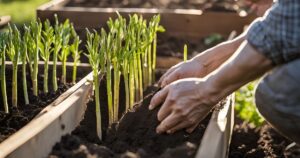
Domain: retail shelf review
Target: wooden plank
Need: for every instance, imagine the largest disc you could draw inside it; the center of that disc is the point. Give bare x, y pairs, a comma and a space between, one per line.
196, 24
37, 138
217, 137
4, 20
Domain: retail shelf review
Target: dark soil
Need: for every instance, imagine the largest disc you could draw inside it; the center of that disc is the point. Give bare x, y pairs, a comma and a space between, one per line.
212, 5
23, 114
263, 142
133, 136
173, 46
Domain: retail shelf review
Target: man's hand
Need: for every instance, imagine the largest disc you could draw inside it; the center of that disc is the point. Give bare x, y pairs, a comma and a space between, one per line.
185, 103
191, 68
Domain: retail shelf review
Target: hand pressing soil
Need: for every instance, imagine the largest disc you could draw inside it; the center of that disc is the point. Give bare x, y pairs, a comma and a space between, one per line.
133, 136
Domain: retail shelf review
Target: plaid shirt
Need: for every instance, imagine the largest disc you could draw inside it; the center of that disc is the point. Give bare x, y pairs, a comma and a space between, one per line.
277, 34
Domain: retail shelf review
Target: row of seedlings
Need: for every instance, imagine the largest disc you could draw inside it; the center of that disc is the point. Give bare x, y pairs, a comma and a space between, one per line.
39, 41
127, 49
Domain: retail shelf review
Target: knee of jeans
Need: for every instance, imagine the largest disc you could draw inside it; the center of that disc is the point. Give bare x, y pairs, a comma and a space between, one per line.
260, 98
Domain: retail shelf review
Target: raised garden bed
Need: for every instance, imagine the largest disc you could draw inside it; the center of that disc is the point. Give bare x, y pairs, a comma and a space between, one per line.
196, 23
223, 5
4, 20
135, 136
22, 131
63, 118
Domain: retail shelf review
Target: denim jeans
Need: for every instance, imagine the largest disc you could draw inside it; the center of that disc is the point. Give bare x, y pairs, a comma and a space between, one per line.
278, 99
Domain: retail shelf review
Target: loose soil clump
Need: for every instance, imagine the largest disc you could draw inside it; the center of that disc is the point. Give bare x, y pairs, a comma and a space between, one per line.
133, 136
262, 142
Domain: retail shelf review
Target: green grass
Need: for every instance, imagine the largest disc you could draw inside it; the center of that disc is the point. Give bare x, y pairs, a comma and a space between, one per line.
21, 11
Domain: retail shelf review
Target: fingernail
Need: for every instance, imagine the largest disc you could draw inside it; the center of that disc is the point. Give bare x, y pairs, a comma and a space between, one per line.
169, 132
151, 107
158, 131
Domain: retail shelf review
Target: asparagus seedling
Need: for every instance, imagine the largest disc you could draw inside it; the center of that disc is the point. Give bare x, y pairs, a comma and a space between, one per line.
14, 48
47, 38
3, 49
185, 52
24, 52
65, 52
97, 61
75, 54
33, 53
57, 45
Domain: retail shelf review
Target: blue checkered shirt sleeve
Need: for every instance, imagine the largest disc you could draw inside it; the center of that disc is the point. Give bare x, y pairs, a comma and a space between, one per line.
277, 34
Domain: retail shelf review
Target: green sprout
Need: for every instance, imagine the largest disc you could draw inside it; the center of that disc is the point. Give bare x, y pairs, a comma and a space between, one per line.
3, 50
14, 49
65, 51
97, 61
75, 54
57, 45
185, 52
26, 39
34, 47
46, 50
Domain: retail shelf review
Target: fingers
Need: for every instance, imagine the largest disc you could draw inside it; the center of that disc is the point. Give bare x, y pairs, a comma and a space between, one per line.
165, 110
192, 128
165, 75
178, 127
170, 78
158, 98
168, 123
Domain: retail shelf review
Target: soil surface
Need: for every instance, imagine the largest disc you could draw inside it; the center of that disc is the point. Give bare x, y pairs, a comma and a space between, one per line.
263, 142
223, 5
23, 114
173, 46
133, 136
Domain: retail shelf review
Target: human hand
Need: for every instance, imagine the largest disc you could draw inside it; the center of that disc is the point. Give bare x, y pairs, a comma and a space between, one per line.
191, 68
185, 103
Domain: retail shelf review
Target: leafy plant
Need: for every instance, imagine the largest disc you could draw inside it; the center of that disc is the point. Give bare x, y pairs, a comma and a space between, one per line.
245, 106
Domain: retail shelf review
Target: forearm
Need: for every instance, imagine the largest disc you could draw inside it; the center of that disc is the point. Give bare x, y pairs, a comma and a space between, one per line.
212, 58
244, 66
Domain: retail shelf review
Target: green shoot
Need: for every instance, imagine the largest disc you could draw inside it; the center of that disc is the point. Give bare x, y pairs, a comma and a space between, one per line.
33, 53
3, 49
24, 52
96, 59
65, 52
75, 54
47, 39
57, 45
14, 49
185, 52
